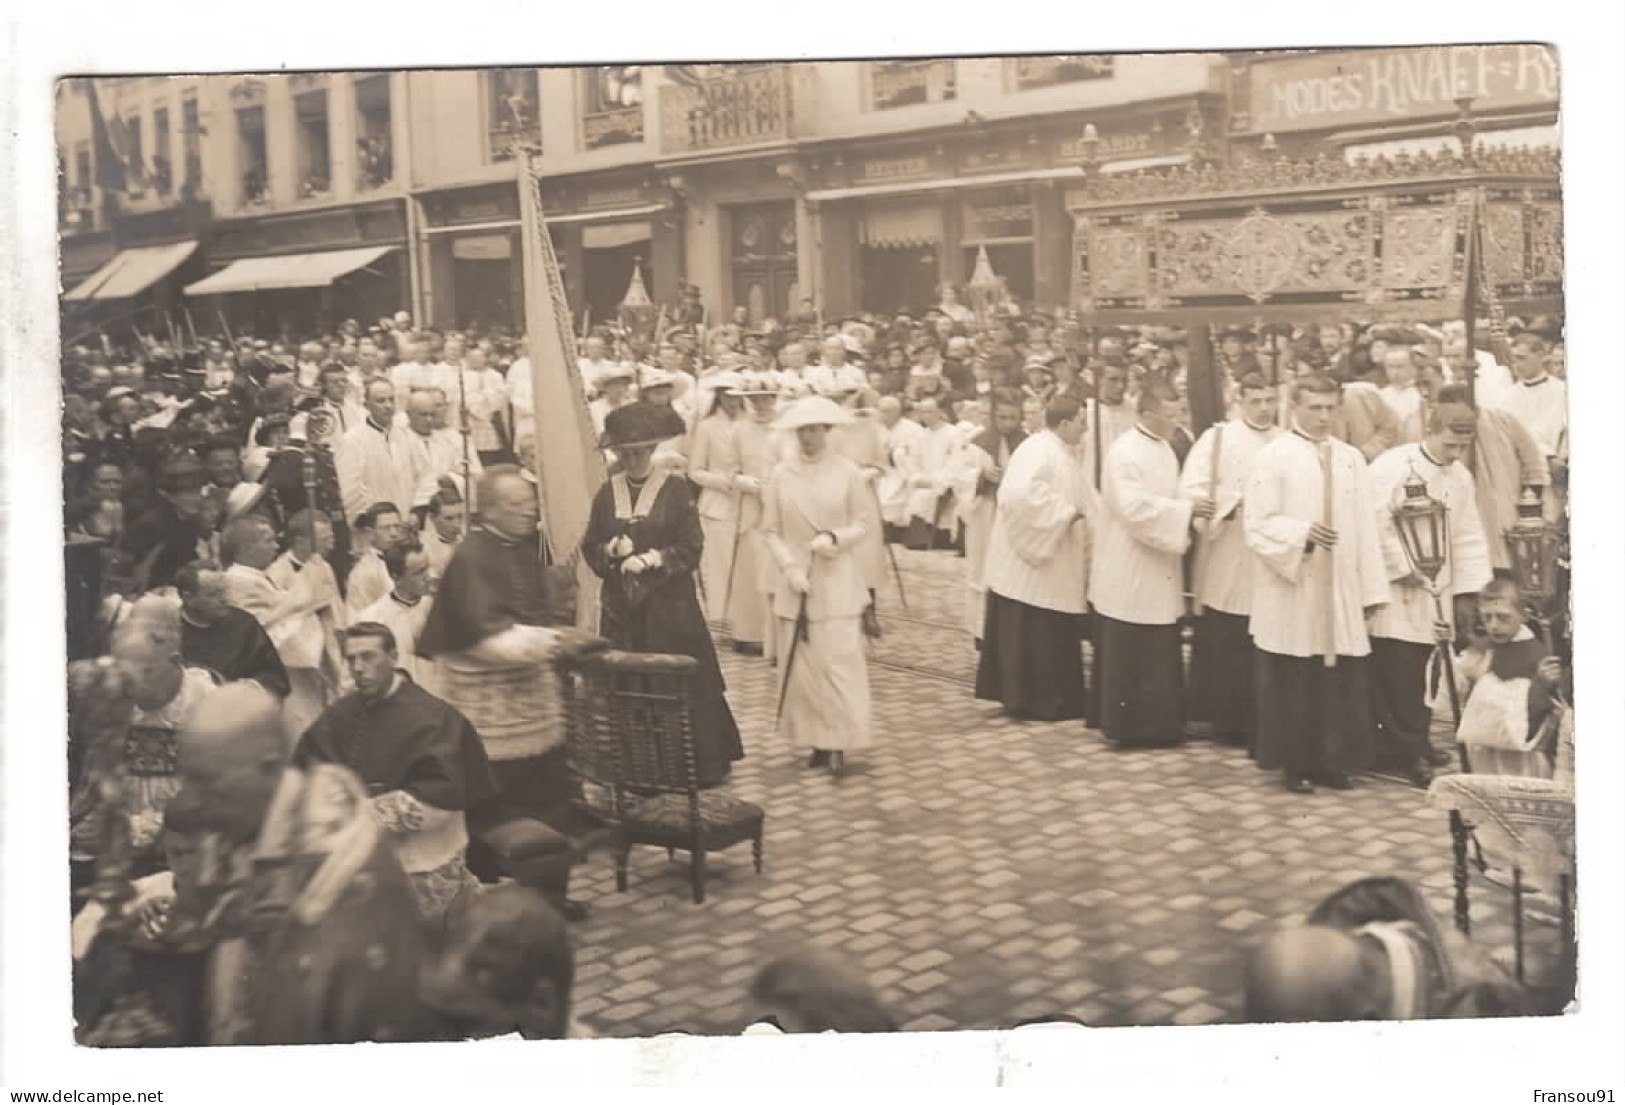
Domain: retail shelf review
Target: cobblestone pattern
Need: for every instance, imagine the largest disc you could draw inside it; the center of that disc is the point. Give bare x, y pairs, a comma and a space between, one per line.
985, 871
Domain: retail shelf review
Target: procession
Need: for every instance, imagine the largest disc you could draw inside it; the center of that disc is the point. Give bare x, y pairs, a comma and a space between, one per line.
653, 666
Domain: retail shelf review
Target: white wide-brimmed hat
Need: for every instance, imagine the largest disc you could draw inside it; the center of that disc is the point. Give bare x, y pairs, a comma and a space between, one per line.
757, 383
653, 376
814, 410
727, 381
614, 371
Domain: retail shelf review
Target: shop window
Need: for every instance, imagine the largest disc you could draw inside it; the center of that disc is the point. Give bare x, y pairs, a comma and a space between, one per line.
612, 105
135, 154
375, 158
163, 177
252, 157
1043, 72
910, 81
192, 145
512, 108
315, 160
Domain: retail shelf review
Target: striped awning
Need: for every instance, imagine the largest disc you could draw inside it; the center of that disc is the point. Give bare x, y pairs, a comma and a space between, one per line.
296, 270
132, 271
897, 226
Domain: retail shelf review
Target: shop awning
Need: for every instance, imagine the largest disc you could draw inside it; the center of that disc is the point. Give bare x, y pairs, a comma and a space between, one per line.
616, 235
607, 215
901, 227
132, 271
296, 270
1032, 176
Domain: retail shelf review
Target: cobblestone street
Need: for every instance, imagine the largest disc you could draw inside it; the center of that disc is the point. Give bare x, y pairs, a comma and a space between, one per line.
985, 871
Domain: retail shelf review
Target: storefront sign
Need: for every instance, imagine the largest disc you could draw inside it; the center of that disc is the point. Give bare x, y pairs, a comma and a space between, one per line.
373, 224
597, 198
491, 203
996, 157
896, 168
482, 247
1000, 222
1373, 86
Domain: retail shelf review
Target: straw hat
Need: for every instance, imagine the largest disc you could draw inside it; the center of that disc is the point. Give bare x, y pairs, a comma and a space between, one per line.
814, 410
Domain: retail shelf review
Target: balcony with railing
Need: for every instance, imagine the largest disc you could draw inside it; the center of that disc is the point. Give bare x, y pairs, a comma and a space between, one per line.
747, 108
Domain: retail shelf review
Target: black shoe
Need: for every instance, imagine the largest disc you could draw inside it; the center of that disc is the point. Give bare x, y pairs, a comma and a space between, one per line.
1419, 775
1334, 780
747, 648
818, 759
1300, 786
575, 912
1437, 757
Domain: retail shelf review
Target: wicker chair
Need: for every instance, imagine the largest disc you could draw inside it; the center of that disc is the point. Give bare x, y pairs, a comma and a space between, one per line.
631, 747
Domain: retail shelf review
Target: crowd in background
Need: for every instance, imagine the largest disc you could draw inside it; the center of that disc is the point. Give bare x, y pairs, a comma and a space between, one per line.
283, 512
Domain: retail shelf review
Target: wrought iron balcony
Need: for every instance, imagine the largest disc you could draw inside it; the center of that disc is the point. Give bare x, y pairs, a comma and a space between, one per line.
744, 109
502, 142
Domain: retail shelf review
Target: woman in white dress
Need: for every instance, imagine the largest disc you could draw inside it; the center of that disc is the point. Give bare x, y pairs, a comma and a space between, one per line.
814, 526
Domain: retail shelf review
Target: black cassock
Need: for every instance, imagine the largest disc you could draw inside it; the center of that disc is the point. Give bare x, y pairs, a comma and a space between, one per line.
658, 610
410, 741
235, 647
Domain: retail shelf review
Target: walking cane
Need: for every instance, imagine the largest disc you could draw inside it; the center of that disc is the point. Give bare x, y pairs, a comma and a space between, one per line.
801, 634
891, 551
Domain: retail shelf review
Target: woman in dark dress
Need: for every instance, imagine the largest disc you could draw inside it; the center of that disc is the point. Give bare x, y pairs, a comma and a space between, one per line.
644, 542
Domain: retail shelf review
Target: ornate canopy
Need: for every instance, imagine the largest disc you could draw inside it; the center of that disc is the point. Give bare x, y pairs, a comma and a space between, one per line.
1402, 239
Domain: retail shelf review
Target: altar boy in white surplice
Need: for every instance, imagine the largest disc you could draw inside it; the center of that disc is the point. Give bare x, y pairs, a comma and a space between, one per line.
1514, 691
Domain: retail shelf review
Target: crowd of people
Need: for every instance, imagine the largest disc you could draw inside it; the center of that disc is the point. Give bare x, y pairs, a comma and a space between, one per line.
319, 628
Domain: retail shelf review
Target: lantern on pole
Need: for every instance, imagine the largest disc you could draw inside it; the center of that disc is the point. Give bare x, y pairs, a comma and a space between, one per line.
1532, 547
637, 310
986, 290
1423, 525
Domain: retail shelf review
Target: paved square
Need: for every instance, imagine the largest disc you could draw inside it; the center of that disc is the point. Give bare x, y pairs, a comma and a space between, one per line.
985, 871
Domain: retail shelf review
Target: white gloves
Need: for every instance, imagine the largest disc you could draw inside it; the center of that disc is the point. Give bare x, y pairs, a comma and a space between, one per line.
824, 545
872, 474
797, 579
620, 547
637, 565
750, 485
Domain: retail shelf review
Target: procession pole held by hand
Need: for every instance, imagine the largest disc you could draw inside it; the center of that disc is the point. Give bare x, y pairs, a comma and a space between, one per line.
1330, 656
1204, 554
226, 326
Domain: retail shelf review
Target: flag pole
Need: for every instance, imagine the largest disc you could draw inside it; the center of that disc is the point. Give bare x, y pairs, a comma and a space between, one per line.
568, 466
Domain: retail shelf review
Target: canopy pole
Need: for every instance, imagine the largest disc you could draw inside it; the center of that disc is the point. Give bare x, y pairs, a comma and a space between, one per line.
1203, 385
1469, 298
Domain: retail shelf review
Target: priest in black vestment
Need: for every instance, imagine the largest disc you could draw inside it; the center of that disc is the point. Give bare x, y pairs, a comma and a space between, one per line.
644, 541
423, 765
488, 632
222, 638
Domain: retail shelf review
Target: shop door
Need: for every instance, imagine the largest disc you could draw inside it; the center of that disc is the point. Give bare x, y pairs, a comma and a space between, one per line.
1013, 262
763, 256
608, 273
482, 293
898, 279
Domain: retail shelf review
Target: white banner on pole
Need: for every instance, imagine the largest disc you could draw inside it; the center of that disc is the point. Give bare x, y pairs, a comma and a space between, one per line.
569, 464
